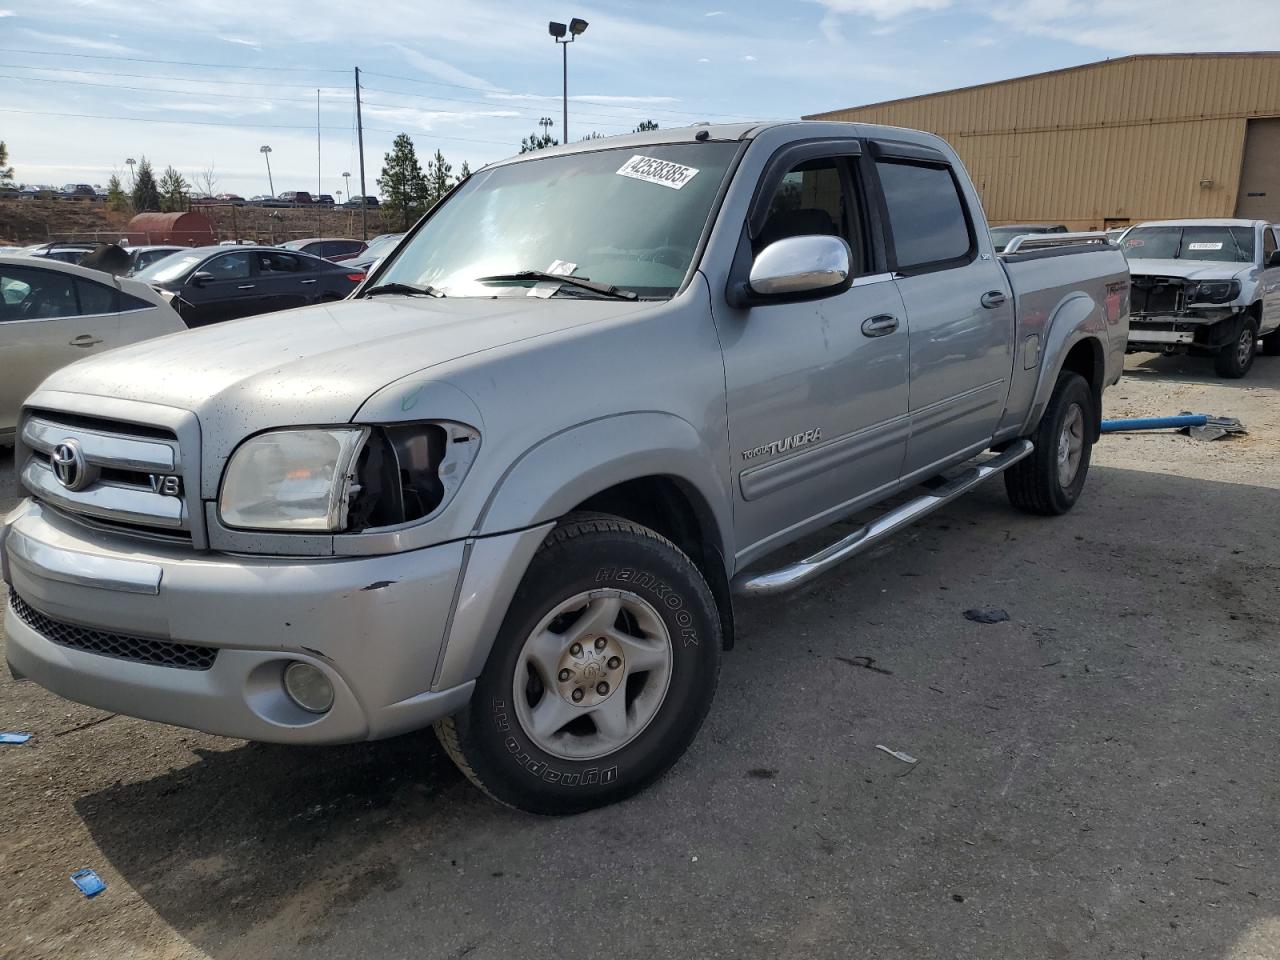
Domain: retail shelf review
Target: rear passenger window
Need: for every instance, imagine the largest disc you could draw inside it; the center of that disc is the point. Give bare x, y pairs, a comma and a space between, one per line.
1268, 245
95, 298
926, 214
810, 199
34, 294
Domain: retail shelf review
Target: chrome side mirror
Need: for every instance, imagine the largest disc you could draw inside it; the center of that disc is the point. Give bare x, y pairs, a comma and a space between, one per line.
798, 265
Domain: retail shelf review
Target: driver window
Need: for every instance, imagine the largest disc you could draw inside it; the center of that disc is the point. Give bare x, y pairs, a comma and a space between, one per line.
810, 199
230, 266
1268, 245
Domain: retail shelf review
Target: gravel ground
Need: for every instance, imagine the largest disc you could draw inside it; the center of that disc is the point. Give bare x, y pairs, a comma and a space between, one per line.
1096, 777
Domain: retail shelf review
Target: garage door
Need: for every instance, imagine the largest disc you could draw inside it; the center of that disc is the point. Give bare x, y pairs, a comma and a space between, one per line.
1260, 179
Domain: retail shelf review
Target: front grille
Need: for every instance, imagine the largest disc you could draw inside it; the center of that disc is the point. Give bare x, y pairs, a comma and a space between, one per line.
160, 653
1159, 296
121, 471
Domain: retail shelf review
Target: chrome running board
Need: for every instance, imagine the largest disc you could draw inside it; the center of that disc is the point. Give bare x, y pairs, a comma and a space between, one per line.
862, 539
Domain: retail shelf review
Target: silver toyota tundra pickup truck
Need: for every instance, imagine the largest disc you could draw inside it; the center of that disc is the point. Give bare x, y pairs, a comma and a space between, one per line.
512, 485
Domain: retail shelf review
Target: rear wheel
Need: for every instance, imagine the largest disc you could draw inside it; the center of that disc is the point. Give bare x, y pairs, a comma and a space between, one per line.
1049, 481
1234, 360
600, 676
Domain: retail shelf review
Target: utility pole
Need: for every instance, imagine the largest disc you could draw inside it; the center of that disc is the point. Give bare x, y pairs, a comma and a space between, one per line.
364, 203
319, 185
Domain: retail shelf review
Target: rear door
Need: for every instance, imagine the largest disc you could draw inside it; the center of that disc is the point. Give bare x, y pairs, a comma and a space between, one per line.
48, 319
817, 387
958, 302
285, 280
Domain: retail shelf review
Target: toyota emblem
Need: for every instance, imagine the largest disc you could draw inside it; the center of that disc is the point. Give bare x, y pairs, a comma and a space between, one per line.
69, 465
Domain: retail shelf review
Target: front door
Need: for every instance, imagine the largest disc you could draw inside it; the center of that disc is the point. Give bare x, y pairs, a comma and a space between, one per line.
817, 395
1270, 279
960, 308
230, 291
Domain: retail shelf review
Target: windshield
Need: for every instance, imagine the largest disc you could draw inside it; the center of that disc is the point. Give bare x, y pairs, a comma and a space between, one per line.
628, 217
1225, 244
172, 267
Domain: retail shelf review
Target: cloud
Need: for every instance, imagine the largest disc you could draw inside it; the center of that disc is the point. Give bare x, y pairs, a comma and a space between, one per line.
7, 13
255, 44
441, 70
714, 13
704, 59
585, 98
748, 58
883, 9
80, 43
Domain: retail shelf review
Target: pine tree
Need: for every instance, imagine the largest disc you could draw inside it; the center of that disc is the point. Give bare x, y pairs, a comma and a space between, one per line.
438, 179
537, 142
403, 185
463, 173
117, 199
146, 196
173, 191
645, 126
6, 171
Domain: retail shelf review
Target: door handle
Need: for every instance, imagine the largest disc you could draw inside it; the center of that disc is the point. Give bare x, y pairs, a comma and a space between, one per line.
993, 298
879, 326
312, 280
245, 286
84, 340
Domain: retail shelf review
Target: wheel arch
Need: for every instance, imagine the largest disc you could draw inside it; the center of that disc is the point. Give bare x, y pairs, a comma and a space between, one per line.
1074, 343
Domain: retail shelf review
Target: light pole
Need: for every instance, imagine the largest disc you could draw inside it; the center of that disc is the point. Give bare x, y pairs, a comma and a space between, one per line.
576, 28
133, 179
266, 153
347, 177
546, 123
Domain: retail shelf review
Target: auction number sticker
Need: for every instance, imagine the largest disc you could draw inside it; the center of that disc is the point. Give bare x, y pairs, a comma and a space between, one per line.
1204, 246
662, 172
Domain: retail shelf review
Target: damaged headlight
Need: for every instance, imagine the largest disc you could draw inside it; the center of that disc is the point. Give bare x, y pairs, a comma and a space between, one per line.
294, 480
1212, 291
345, 479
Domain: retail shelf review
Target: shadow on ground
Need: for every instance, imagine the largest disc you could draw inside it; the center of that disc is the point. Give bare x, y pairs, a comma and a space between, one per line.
1097, 776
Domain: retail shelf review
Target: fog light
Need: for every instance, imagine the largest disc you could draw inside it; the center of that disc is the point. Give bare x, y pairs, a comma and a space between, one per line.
308, 687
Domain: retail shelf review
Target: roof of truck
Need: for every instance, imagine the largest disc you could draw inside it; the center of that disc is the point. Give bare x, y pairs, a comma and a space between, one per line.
1203, 222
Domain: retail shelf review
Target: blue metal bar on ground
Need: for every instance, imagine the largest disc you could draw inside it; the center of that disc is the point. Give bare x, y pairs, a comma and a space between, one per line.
1155, 423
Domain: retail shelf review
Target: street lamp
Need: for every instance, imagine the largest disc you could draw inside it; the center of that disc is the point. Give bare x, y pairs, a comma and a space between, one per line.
266, 153
576, 28
133, 180
347, 177
546, 123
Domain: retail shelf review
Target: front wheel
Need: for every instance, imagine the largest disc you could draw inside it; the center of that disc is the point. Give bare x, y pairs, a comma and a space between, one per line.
1049, 481
1234, 360
600, 676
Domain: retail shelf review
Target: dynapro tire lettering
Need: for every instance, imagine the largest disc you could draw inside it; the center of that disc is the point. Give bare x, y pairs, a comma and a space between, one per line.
591, 777
665, 593
786, 443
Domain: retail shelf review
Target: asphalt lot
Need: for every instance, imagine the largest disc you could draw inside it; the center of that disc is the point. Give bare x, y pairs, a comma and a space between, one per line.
1097, 777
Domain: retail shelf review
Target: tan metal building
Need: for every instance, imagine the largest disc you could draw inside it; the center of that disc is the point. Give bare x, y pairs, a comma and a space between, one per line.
1137, 138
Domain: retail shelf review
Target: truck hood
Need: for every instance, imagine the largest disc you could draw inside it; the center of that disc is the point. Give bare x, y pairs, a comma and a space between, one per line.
1189, 269
316, 364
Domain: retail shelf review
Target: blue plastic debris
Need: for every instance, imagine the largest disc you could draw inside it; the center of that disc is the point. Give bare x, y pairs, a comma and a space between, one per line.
1155, 423
14, 737
90, 883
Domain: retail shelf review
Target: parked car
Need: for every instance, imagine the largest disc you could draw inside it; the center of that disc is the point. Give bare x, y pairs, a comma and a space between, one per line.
65, 252
378, 248
324, 200
262, 200
37, 192
1000, 236
1206, 287
212, 284
78, 191
493, 494
54, 313
229, 198
296, 198
370, 202
331, 248
140, 258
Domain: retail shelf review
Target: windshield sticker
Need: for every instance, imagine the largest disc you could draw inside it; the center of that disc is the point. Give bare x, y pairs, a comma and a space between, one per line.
1204, 246
662, 172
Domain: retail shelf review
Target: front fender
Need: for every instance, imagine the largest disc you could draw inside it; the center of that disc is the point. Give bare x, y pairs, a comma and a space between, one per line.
552, 477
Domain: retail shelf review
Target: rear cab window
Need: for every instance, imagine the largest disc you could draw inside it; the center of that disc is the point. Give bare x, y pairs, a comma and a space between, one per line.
928, 219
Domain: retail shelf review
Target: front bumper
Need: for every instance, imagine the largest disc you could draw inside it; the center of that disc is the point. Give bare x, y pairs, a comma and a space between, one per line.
1156, 332
375, 626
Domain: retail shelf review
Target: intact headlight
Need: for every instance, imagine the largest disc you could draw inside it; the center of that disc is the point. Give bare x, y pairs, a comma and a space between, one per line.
295, 480
1212, 291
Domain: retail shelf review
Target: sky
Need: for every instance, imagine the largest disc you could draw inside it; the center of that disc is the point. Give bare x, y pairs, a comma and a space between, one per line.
203, 84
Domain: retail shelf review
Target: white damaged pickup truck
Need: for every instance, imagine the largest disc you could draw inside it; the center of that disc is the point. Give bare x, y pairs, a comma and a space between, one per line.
511, 486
